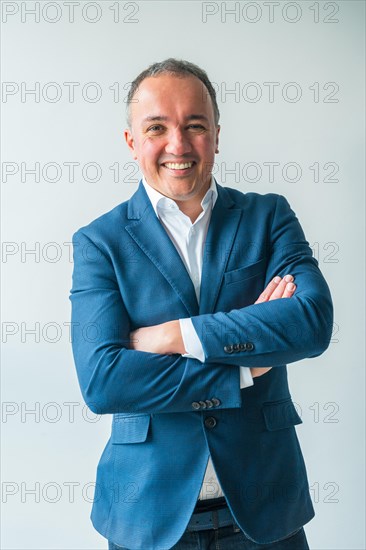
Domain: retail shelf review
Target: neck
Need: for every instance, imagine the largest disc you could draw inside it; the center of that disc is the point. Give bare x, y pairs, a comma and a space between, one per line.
192, 207
190, 210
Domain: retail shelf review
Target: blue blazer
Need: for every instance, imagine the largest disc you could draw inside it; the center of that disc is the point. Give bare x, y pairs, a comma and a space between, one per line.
128, 274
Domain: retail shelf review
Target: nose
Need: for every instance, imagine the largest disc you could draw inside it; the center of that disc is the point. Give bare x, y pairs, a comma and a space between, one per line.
178, 143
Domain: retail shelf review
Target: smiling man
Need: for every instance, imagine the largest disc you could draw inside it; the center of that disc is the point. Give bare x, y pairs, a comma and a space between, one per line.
189, 289
174, 138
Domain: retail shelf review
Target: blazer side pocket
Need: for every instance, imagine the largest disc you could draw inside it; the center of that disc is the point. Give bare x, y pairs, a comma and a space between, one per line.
245, 272
130, 429
280, 415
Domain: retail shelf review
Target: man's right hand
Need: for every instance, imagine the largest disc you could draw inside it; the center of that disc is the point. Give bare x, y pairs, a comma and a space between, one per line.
277, 288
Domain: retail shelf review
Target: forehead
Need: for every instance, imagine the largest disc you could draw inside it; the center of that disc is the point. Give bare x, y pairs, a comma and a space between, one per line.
165, 95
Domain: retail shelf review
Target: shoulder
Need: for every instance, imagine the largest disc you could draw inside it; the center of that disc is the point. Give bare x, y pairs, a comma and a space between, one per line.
267, 201
106, 227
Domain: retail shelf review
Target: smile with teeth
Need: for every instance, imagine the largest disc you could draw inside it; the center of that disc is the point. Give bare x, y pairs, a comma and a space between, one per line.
178, 166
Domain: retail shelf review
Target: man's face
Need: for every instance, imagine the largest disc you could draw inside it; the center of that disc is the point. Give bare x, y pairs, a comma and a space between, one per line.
173, 135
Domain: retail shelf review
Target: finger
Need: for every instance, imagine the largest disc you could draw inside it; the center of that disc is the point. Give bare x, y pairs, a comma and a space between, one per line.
259, 371
134, 339
267, 292
279, 291
289, 290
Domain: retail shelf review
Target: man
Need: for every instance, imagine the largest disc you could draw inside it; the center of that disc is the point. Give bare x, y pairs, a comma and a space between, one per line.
185, 314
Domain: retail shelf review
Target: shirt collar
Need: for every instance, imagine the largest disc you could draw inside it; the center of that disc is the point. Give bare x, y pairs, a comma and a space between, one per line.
161, 202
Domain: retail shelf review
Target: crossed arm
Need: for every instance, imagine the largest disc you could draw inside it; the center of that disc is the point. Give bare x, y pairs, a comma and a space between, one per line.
166, 338
114, 376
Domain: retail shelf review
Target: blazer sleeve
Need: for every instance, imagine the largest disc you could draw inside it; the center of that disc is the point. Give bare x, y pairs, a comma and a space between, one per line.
280, 331
115, 379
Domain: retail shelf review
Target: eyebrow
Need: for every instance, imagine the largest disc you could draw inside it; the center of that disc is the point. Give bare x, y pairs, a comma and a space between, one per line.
160, 118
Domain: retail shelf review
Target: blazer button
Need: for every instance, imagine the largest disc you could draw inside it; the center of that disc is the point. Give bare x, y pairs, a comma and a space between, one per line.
202, 405
242, 347
209, 403
236, 347
216, 402
249, 346
196, 405
210, 422
228, 349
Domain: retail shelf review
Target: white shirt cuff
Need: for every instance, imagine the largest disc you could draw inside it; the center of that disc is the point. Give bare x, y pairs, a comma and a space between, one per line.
192, 343
246, 378
194, 349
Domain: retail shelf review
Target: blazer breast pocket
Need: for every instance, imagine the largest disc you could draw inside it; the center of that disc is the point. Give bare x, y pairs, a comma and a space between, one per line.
245, 272
130, 428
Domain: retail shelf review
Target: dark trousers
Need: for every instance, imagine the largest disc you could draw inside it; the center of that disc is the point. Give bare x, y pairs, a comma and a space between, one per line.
212, 527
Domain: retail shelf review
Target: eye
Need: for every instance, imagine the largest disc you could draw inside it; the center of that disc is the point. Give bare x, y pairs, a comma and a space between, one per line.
197, 127
155, 128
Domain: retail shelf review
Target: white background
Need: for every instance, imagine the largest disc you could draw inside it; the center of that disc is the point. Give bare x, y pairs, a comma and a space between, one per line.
54, 450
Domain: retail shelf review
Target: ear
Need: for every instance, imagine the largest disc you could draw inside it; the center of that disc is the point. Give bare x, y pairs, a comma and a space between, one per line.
217, 138
130, 142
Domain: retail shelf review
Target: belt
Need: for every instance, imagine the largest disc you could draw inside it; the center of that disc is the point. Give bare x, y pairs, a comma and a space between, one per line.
210, 519
209, 504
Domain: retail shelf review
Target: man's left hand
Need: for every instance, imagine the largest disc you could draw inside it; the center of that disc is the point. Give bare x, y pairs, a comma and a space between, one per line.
165, 338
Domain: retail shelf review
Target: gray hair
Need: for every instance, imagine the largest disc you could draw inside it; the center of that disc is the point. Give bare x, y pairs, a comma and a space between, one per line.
176, 67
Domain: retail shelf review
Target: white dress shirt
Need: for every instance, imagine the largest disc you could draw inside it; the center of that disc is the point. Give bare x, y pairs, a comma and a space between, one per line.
189, 240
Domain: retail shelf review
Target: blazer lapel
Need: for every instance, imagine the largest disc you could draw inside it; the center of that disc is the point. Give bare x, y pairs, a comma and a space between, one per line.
219, 242
151, 237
